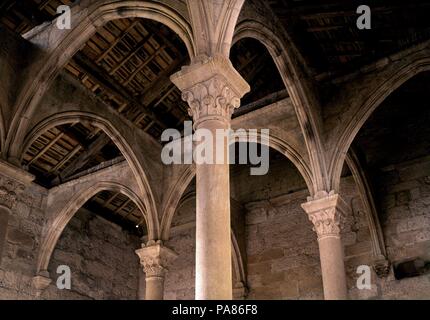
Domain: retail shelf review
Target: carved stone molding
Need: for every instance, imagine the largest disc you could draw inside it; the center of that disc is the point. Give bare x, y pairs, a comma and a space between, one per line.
212, 98
212, 89
327, 213
155, 259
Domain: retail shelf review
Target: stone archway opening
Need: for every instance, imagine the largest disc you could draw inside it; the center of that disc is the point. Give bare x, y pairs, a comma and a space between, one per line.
253, 61
392, 148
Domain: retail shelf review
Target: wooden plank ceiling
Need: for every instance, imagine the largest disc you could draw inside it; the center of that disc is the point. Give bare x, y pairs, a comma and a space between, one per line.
325, 31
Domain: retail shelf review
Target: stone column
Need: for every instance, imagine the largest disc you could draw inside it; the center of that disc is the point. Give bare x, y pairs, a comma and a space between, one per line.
327, 213
213, 89
155, 259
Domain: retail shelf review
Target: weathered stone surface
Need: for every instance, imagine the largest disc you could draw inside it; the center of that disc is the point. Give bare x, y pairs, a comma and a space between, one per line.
18, 237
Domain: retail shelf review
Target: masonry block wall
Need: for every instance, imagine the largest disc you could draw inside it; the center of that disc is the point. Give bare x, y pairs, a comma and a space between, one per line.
100, 254
20, 248
180, 280
282, 250
101, 258
403, 194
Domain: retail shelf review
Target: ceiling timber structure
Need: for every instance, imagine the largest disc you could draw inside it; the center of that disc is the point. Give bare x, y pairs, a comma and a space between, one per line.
327, 35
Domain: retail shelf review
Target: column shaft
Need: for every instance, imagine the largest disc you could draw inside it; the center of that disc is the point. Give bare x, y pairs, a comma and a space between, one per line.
333, 268
213, 227
154, 288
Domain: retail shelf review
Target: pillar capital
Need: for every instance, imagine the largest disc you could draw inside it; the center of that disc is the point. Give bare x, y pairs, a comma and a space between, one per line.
212, 88
327, 213
155, 260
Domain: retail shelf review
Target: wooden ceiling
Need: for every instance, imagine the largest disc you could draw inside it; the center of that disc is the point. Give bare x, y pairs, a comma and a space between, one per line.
325, 31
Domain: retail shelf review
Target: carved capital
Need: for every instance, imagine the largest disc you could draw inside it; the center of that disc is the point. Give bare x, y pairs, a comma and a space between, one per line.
212, 89
212, 99
155, 260
327, 213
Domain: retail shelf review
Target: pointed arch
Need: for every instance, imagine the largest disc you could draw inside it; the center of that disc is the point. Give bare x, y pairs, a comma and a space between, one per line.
59, 220
132, 152
303, 99
60, 46
374, 89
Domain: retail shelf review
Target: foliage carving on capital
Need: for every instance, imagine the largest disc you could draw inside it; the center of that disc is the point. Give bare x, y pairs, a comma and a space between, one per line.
211, 98
212, 88
327, 213
155, 260
327, 222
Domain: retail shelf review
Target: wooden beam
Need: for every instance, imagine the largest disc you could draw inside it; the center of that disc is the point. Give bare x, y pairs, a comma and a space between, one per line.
131, 212
168, 92
110, 85
46, 148
93, 149
161, 82
106, 203
126, 202
116, 41
65, 159
143, 65
130, 55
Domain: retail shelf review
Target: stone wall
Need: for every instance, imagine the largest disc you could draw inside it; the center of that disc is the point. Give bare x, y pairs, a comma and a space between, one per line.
101, 258
180, 280
100, 254
24, 227
403, 195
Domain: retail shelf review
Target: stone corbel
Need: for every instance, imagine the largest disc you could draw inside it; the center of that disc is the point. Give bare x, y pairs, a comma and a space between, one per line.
41, 281
240, 291
382, 267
